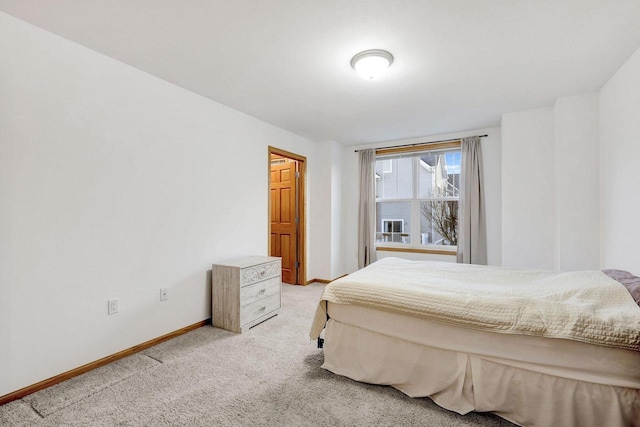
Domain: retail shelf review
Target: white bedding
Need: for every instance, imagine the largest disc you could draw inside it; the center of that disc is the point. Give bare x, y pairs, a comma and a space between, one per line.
585, 306
525, 393
559, 358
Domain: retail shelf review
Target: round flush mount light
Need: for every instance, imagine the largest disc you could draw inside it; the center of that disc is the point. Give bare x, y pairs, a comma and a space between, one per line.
370, 64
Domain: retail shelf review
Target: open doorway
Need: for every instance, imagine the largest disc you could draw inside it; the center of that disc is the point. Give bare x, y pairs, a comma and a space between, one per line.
287, 173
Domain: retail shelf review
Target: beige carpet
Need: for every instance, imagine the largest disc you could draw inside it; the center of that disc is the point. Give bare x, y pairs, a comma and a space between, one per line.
269, 376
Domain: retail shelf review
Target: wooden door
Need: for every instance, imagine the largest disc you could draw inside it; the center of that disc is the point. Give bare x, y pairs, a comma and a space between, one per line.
284, 234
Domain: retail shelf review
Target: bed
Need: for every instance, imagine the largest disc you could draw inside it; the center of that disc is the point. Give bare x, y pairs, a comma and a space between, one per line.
537, 348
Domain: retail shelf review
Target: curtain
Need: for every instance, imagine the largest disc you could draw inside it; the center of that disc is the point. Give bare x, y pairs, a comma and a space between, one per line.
472, 234
367, 209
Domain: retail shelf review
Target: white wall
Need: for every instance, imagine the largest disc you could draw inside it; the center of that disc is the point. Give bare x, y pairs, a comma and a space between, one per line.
318, 237
350, 197
528, 196
325, 249
620, 176
491, 159
577, 172
586, 216
327, 215
338, 265
550, 186
114, 184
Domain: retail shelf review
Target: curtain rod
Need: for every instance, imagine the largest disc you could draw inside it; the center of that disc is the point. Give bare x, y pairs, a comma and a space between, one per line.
421, 143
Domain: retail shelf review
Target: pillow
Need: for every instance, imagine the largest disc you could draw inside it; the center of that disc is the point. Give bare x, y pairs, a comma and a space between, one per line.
631, 282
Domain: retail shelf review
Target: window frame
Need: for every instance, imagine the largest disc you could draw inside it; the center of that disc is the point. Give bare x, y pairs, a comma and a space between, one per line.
415, 200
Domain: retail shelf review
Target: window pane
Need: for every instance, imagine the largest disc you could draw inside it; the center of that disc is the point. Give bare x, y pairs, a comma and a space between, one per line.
393, 222
393, 178
438, 223
439, 174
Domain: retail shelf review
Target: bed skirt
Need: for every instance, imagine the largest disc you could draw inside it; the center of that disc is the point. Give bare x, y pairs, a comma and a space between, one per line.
464, 382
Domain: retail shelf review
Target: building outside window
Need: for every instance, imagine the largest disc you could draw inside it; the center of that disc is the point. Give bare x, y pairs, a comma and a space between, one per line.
417, 197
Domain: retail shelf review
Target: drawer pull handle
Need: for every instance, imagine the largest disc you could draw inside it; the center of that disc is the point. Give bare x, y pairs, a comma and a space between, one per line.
262, 273
262, 291
263, 308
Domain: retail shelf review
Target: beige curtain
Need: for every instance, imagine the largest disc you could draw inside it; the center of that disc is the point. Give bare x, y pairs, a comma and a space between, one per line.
472, 234
367, 210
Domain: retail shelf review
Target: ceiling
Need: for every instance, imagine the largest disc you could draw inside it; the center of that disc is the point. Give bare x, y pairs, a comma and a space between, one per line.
459, 64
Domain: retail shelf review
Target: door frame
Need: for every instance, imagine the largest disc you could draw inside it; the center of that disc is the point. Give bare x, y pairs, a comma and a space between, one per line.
302, 209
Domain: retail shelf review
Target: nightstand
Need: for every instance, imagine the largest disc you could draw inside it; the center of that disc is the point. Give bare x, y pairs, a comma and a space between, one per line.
246, 292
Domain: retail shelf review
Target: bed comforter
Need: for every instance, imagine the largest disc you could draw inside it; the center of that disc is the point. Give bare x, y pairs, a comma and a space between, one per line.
585, 306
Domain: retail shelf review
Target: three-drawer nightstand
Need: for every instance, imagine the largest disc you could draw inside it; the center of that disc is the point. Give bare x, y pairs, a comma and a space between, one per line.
246, 292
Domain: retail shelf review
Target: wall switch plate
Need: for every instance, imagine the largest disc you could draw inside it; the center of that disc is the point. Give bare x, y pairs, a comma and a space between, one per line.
114, 306
164, 294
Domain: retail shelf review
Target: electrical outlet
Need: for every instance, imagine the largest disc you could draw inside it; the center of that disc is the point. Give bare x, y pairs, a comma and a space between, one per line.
113, 306
164, 294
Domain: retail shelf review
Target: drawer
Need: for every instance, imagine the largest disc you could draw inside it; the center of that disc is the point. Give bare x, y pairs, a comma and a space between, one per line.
266, 288
259, 272
259, 308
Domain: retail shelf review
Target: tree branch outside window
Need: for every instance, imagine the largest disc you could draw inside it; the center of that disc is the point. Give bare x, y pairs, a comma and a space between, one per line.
443, 215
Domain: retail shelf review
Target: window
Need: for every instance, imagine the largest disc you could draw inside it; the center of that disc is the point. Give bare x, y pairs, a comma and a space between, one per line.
393, 230
387, 166
417, 202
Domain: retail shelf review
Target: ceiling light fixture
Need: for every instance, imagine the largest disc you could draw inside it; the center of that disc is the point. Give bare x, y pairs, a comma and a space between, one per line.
370, 64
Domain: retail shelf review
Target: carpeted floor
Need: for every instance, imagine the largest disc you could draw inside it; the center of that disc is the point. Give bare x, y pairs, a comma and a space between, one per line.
269, 376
